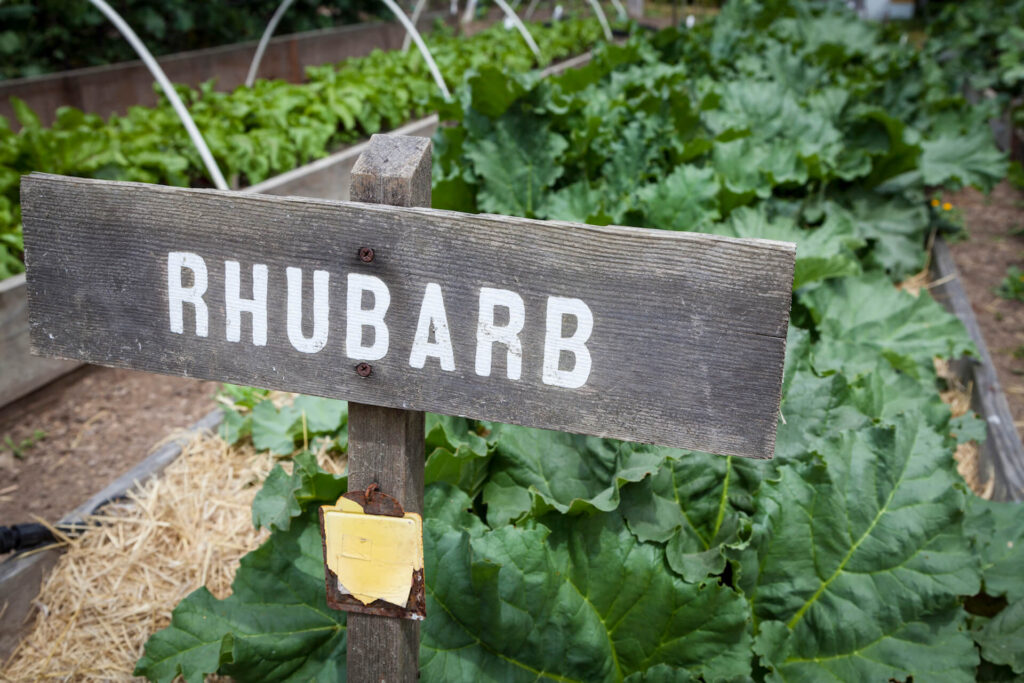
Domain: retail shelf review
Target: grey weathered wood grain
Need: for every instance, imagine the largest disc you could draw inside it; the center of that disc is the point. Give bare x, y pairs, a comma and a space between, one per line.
688, 341
331, 177
385, 445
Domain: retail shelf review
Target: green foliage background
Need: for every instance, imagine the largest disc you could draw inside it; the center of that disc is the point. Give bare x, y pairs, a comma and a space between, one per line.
856, 554
981, 45
257, 132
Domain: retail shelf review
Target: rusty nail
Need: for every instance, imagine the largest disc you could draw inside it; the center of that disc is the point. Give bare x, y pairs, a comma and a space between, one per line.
370, 490
364, 369
365, 254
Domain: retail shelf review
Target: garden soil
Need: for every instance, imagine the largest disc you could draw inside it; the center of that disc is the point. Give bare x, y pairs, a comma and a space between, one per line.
995, 242
94, 425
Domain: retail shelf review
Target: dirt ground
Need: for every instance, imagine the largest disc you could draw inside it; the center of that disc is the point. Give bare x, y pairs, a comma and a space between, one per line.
93, 425
995, 242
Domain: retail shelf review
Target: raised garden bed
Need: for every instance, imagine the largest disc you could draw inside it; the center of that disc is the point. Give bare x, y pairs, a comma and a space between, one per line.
22, 372
1002, 455
113, 88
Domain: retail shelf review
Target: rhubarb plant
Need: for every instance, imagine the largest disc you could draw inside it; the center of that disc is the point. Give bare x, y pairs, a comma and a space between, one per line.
857, 553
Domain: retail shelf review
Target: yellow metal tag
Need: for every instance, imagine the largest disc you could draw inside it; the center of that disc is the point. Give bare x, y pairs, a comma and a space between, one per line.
375, 557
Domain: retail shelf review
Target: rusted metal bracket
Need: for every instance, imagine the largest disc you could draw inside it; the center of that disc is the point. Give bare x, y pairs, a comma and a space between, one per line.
373, 502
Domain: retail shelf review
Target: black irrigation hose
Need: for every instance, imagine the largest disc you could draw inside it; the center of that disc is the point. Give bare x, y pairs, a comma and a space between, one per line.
33, 534
24, 536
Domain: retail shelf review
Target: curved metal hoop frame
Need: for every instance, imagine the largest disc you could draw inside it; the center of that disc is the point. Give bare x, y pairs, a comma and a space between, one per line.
172, 95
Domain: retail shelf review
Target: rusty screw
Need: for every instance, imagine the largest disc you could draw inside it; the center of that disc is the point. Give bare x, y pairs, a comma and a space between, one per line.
364, 369
365, 254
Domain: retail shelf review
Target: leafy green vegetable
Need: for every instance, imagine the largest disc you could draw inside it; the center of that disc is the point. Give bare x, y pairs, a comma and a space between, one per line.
966, 160
458, 452
1000, 639
283, 496
516, 163
684, 200
932, 648
871, 525
51, 35
1012, 286
697, 504
861, 317
825, 252
536, 470
256, 132
998, 533
280, 430
505, 600
275, 625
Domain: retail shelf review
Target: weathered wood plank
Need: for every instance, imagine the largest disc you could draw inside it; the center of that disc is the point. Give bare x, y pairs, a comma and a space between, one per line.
385, 445
688, 337
20, 372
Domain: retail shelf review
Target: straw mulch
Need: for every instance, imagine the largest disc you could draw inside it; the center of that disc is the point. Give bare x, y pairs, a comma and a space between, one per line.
957, 395
117, 583
967, 455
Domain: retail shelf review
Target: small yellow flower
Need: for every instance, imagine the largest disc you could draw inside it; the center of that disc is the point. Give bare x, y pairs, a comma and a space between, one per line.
947, 207
935, 202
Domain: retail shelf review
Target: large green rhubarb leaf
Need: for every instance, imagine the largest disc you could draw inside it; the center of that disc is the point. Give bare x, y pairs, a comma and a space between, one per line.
578, 202
570, 599
274, 626
738, 164
969, 160
862, 317
814, 409
535, 471
853, 547
997, 530
685, 199
932, 649
284, 496
821, 253
457, 453
273, 428
1002, 638
516, 161
896, 229
695, 504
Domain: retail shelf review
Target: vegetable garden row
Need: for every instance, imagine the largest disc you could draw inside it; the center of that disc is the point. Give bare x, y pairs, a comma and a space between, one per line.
256, 132
856, 554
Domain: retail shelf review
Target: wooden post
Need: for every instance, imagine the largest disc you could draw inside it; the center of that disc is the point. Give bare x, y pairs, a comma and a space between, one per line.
385, 445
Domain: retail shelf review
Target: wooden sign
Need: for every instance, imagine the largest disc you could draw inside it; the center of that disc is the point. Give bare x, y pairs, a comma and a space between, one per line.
655, 336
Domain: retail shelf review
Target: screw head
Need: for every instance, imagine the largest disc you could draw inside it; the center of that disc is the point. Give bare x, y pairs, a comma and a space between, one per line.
365, 254
364, 369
